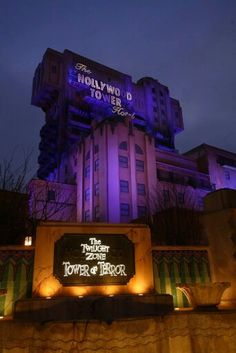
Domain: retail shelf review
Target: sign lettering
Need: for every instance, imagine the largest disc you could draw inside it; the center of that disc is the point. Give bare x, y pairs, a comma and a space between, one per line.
102, 91
102, 259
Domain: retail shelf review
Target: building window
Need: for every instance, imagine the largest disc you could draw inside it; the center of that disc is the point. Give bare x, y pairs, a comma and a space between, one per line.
163, 112
155, 109
66, 169
96, 189
123, 162
123, 146
124, 186
227, 174
213, 187
180, 198
96, 149
142, 211
96, 213
200, 202
141, 189
139, 165
161, 93
124, 209
166, 196
86, 216
87, 171
87, 155
51, 195
138, 149
96, 164
87, 194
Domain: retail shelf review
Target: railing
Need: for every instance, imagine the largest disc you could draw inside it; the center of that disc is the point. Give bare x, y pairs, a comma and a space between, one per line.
184, 180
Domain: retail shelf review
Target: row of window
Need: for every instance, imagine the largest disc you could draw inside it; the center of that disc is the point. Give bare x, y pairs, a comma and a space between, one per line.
96, 214
124, 187
87, 168
96, 149
123, 163
124, 146
124, 212
176, 178
167, 198
155, 110
180, 198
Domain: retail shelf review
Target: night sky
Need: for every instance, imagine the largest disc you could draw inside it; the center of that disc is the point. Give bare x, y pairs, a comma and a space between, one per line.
190, 46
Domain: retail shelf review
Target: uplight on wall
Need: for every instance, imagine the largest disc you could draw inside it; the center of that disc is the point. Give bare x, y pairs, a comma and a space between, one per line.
28, 241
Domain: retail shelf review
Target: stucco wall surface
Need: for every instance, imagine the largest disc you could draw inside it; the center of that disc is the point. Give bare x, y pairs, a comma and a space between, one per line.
189, 332
221, 231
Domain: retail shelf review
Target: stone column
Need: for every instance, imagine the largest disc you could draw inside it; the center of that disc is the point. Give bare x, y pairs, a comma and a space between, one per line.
220, 224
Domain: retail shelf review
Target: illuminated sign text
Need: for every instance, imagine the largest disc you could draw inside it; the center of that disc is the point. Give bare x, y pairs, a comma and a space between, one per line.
84, 259
103, 91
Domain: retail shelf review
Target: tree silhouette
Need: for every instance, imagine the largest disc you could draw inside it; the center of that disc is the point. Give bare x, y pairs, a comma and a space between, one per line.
174, 217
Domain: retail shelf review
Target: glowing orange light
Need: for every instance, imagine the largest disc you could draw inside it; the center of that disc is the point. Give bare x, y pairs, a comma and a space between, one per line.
28, 241
49, 287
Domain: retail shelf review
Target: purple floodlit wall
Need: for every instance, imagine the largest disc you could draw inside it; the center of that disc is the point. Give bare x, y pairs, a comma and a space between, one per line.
52, 201
74, 92
218, 163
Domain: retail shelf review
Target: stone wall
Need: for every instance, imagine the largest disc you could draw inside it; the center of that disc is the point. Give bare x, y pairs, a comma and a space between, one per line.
180, 332
16, 275
220, 226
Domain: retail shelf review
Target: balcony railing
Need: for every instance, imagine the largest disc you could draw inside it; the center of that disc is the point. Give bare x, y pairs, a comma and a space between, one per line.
175, 178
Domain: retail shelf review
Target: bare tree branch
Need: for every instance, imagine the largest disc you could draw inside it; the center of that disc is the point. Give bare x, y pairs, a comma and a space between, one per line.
174, 216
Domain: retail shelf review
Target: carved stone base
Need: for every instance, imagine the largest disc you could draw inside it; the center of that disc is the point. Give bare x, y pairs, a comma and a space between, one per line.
99, 308
179, 332
204, 296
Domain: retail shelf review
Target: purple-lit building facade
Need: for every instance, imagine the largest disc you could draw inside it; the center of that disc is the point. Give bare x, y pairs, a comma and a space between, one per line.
218, 163
113, 140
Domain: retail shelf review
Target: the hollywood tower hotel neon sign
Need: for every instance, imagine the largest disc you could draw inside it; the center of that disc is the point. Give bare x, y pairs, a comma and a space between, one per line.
116, 101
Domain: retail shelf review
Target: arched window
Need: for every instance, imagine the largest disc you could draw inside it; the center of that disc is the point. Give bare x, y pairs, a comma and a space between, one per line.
123, 146
138, 149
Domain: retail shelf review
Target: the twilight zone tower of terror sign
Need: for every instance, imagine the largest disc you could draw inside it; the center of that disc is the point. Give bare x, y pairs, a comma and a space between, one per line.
101, 135
81, 260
